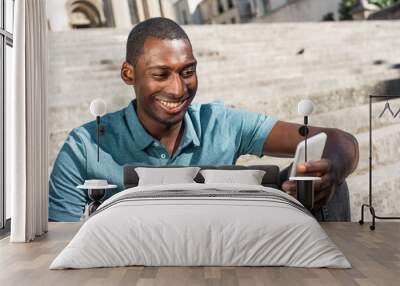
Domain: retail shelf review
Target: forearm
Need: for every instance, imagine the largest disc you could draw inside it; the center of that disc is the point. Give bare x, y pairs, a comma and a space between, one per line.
343, 152
341, 148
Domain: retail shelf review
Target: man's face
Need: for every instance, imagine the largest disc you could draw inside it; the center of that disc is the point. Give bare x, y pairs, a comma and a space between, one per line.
165, 80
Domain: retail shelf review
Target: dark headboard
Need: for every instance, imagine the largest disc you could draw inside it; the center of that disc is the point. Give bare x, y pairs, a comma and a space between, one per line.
270, 179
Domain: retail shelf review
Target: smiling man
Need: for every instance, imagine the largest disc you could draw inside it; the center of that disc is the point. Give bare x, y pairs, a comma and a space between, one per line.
162, 127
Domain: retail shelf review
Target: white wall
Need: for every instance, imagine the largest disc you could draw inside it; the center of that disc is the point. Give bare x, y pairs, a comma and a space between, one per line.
139, 6
154, 8
59, 21
57, 15
122, 17
169, 10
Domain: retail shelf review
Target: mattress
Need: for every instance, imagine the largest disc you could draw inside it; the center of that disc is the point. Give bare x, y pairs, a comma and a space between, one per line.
201, 225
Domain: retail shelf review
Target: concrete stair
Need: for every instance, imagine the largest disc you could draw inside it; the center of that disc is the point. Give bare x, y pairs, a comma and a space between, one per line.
256, 67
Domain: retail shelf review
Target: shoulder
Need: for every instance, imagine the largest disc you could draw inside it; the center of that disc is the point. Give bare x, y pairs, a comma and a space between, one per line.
216, 105
211, 110
217, 110
218, 119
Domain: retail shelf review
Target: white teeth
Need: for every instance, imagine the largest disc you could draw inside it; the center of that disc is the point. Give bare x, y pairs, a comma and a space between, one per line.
171, 104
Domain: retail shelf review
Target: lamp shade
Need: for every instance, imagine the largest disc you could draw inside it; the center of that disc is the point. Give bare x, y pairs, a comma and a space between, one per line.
98, 107
305, 107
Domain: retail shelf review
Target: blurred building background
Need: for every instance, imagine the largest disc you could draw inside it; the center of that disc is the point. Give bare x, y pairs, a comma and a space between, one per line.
71, 14
249, 63
242, 11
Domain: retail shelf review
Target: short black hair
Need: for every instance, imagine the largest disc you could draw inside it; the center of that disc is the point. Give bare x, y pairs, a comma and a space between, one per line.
159, 27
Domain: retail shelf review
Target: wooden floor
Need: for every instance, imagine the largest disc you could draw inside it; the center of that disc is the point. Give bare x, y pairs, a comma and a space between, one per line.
374, 255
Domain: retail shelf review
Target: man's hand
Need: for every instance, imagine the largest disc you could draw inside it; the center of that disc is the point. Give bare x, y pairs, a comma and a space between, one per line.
324, 189
340, 157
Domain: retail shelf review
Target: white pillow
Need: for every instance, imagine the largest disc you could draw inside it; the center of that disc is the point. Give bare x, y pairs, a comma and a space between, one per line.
164, 176
248, 177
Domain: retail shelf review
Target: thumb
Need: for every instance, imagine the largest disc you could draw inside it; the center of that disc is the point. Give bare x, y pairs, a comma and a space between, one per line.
287, 186
301, 168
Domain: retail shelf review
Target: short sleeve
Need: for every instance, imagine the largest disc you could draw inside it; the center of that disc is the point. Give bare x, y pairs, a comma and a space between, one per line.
252, 129
66, 201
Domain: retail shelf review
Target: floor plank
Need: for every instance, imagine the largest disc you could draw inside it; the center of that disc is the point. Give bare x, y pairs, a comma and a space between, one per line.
374, 255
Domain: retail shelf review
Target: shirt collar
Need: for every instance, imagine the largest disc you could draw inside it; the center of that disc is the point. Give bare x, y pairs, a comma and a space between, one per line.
139, 134
144, 139
190, 134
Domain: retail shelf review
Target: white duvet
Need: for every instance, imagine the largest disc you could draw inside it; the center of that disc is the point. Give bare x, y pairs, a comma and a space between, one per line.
201, 224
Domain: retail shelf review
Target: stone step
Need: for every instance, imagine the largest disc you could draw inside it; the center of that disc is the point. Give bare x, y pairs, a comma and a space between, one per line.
234, 54
212, 76
270, 54
262, 70
272, 45
276, 67
224, 71
263, 100
268, 43
385, 147
68, 117
282, 104
357, 115
385, 194
214, 88
213, 81
251, 53
282, 31
268, 96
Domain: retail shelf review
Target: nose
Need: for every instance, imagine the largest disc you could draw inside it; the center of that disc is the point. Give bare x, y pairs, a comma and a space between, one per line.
177, 87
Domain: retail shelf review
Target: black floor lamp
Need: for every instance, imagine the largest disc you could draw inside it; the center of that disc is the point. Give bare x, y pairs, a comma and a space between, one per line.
370, 205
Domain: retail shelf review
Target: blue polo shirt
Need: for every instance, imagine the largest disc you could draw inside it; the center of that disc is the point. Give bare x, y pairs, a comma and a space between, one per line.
213, 135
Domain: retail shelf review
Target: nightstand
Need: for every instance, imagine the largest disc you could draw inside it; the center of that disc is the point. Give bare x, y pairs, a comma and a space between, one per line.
96, 194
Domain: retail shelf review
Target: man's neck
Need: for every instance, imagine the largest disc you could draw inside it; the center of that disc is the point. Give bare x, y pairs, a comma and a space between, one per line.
170, 136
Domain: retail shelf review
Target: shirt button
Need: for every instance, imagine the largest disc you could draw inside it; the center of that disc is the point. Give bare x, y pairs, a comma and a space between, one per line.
156, 144
163, 156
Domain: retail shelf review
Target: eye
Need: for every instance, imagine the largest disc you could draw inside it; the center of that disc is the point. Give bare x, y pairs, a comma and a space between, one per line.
159, 76
188, 72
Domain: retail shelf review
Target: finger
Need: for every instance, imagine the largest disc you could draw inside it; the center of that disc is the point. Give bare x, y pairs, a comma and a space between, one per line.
292, 192
311, 174
322, 197
323, 165
301, 168
289, 186
325, 182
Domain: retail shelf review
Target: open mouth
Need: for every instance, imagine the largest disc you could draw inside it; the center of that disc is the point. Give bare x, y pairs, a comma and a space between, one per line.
172, 106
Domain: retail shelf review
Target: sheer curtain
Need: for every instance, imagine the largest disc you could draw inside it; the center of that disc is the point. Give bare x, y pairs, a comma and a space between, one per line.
26, 123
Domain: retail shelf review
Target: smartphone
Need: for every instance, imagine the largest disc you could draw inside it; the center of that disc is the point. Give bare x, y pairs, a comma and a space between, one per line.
315, 148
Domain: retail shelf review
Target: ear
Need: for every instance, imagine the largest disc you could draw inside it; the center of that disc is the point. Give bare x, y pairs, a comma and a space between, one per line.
128, 73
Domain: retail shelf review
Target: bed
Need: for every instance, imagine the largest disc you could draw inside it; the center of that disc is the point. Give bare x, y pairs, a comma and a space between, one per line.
201, 224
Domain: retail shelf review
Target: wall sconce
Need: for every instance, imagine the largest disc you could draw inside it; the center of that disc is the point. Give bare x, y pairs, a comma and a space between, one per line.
98, 108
